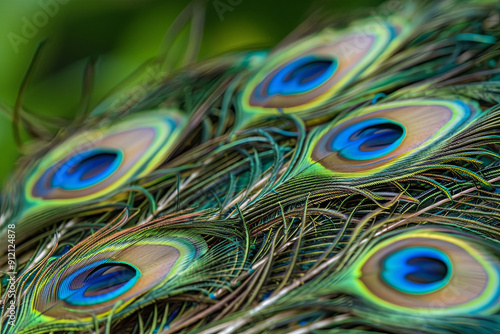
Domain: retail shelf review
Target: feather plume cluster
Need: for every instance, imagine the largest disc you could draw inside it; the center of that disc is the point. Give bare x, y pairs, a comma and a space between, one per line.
345, 181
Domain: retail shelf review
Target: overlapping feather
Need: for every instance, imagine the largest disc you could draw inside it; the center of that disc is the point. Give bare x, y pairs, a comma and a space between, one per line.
297, 185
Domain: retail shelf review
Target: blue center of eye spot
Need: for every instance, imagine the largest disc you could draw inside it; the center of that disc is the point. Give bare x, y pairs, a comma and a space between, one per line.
369, 139
302, 75
86, 169
99, 284
417, 270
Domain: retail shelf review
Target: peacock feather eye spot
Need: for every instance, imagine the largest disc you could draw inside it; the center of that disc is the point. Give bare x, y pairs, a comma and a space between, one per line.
416, 270
430, 269
310, 71
301, 75
369, 139
377, 137
85, 169
126, 269
94, 165
106, 278
307, 73
97, 162
98, 283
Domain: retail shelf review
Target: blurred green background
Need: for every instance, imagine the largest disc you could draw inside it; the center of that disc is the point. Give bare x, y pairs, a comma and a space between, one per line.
123, 34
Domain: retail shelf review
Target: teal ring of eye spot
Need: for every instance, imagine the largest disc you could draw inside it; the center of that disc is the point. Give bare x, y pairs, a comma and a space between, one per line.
417, 270
90, 286
369, 139
302, 75
86, 169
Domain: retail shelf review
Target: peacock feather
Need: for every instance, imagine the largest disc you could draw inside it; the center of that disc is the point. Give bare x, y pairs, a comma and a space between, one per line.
114, 272
345, 181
